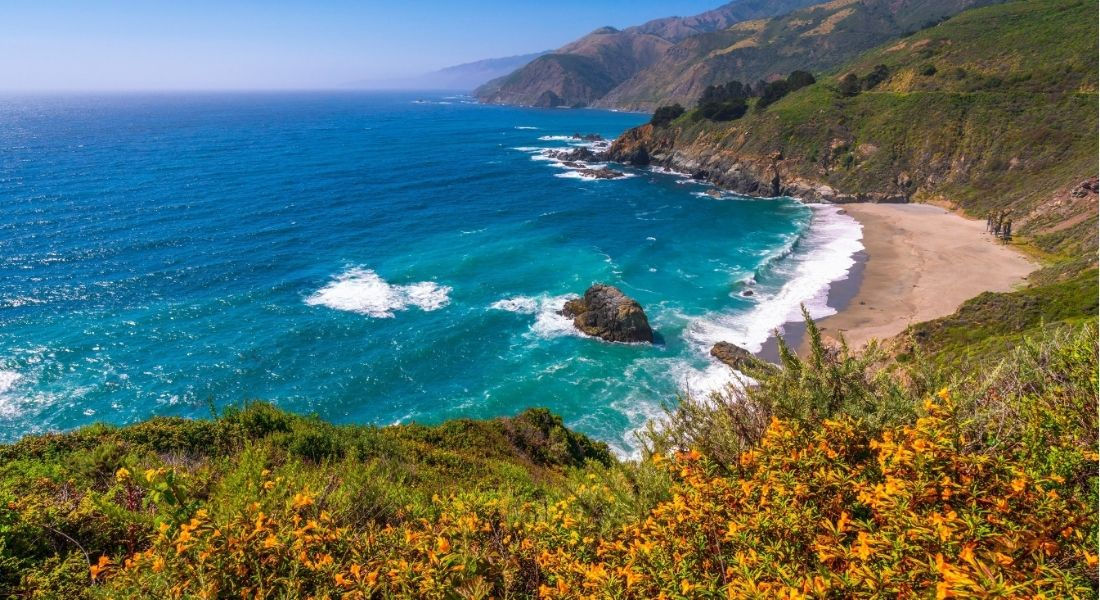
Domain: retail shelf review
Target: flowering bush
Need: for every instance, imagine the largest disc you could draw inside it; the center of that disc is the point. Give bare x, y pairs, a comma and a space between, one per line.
825, 512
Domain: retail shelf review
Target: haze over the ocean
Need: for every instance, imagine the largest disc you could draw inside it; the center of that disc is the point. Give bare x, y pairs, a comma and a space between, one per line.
204, 45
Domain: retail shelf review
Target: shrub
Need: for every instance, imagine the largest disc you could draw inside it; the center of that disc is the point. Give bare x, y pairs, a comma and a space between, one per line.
877, 75
928, 70
849, 85
773, 92
665, 115
833, 381
800, 79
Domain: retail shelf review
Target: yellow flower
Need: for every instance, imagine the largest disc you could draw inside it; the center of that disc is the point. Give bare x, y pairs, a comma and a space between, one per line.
122, 474
442, 545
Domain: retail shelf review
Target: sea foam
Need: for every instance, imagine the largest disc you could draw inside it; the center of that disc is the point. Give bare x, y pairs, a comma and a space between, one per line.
549, 322
824, 255
8, 379
362, 291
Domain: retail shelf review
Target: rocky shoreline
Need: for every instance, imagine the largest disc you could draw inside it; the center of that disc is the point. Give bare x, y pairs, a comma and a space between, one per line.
764, 176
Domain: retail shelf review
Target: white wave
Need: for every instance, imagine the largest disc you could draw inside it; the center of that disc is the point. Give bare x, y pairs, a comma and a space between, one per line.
577, 174
525, 305
8, 379
825, 255
558, 138
667, 171
524, 127
363, 291
549, 322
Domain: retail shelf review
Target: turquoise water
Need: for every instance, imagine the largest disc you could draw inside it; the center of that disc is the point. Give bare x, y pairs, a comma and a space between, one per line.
371, 258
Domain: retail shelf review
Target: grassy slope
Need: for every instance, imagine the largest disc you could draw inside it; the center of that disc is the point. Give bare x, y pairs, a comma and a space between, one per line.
56, 489
1008, 121
1001, 124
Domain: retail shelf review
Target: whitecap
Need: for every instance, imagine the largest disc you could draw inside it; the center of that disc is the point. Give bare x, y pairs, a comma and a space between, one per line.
362, 291
525, 127
8, 379
549, 322
577, 174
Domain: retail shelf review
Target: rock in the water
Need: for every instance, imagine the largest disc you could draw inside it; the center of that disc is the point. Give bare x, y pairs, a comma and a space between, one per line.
746, 293
605, 312
603, 173
734, 356
576, 154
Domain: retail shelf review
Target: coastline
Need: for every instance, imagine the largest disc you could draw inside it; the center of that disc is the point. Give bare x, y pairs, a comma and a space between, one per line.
921, 262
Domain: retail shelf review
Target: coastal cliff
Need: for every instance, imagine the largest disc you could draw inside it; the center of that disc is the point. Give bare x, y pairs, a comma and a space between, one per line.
992, 111
754, 173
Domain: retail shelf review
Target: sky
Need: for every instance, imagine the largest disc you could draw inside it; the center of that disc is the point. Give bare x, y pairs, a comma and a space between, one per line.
92, 45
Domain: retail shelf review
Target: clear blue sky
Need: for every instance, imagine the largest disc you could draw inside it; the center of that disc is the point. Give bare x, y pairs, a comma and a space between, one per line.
209, 44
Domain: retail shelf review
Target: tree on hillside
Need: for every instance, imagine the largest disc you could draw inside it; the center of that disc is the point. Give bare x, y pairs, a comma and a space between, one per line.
875, 77
849, 85
772, 92
800, 79
666, 114
723, 102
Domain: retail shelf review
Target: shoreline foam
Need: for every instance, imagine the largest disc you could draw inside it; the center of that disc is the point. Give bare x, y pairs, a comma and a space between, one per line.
922, 263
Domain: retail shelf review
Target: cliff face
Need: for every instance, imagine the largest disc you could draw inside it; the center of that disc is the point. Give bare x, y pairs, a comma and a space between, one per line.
993, 110
736, 165
583, 71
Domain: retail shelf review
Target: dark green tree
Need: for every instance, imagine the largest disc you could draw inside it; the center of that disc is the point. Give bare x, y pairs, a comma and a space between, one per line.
875, 77
773, 92
849, 85
800, 79
665, 115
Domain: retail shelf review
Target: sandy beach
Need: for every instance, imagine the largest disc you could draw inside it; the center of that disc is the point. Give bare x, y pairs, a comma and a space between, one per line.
922, 262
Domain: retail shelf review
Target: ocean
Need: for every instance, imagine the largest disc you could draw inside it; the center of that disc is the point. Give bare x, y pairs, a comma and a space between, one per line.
368, 258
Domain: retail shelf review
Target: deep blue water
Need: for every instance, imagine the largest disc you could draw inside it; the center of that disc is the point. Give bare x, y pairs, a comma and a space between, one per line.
371, 258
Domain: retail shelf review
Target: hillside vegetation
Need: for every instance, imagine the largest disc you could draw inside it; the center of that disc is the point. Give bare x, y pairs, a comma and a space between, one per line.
585, 70
833, 478
991, 111
817, 38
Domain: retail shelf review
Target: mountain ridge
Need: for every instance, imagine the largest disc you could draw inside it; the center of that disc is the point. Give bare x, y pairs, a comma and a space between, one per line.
582, 71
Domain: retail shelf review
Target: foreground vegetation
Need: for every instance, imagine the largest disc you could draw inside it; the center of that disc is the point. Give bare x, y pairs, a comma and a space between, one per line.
837, 476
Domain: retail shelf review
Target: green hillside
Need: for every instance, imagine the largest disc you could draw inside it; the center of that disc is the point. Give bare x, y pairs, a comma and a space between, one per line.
968, 115
992, 111
832, 478
959, 462
816, 38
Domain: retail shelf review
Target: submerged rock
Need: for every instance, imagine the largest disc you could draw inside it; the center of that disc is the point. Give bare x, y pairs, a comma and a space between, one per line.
605, 312
734, 356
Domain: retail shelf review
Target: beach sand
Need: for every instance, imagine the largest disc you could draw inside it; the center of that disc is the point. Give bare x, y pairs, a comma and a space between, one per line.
922, 262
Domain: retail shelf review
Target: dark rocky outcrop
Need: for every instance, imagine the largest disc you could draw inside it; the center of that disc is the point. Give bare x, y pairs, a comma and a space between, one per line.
747, 171
736, 357
602, 173
574, 154
605, 312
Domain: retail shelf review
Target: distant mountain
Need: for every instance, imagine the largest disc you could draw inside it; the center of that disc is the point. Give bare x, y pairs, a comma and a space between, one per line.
464, 77
818, 38
582, 72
